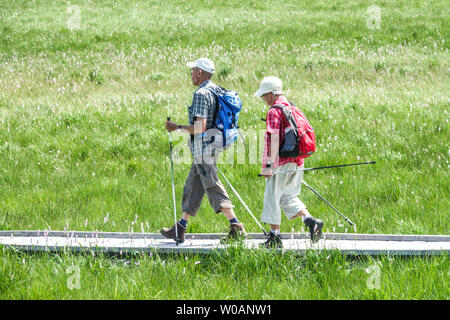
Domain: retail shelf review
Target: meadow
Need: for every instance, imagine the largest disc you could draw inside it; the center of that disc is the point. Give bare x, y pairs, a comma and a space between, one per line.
85, 88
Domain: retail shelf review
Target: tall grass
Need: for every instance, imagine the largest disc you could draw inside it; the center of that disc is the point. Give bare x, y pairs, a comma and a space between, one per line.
82, 144
239, 274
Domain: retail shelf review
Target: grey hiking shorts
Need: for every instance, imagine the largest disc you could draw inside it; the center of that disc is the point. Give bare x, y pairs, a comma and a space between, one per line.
203, 179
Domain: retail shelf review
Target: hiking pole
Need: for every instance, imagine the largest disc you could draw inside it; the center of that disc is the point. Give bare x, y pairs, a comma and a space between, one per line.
173, 187
325, 167
346, 219
239, 197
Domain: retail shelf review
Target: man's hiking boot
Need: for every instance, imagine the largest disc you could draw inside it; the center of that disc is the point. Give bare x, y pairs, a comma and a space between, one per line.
237, 232
170, 233
315, 228
274, 241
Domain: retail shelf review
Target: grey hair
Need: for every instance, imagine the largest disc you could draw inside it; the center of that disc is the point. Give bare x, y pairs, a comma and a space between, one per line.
209, 75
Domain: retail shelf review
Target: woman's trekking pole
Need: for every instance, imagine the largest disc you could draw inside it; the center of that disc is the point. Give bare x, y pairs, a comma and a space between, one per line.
173, 188
239, 197
325, 167
323, 199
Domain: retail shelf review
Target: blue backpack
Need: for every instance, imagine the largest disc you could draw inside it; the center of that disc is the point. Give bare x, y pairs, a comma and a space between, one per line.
226, 115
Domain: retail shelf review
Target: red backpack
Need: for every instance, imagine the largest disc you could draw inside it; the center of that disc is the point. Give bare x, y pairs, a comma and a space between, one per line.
299, 139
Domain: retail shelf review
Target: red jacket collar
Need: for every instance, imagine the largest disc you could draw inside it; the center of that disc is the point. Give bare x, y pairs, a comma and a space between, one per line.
281, 101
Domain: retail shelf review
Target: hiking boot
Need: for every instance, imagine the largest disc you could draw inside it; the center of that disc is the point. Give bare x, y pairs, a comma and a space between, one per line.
237, 232
170, 233
273, 241
315, 228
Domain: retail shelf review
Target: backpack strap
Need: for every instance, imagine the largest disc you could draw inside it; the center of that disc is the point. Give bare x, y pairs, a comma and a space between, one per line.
289, 117
216, 111
216, 93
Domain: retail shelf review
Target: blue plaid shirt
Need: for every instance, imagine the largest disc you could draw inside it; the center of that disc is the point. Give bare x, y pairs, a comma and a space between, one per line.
204, 104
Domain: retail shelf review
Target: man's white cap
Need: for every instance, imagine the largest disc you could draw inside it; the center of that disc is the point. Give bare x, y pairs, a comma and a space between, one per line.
269, 84
203, 63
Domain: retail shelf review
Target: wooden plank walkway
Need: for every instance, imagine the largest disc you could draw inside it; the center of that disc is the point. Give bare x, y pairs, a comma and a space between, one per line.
124, 243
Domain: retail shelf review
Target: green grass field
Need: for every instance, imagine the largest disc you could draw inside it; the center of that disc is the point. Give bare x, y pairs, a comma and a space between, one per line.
85, 89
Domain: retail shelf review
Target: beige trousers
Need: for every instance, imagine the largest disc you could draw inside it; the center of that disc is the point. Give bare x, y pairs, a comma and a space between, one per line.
282, 190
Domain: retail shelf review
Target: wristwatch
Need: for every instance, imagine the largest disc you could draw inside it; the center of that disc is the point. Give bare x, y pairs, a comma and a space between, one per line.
269, 164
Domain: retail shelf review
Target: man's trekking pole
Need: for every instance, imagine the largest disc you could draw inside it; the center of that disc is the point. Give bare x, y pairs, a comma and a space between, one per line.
173, 188
346, 219
239, 197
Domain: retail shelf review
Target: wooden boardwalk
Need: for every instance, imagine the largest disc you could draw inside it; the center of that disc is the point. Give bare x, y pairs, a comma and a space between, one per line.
125, 243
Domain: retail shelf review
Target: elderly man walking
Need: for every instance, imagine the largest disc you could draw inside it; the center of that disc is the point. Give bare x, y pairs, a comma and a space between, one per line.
203, 176
283, 181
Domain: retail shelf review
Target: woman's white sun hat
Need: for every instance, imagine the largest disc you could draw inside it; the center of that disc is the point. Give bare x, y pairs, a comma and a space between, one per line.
270, 84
